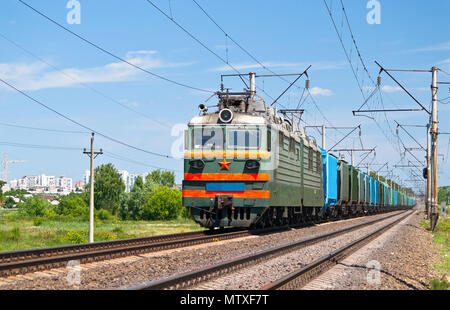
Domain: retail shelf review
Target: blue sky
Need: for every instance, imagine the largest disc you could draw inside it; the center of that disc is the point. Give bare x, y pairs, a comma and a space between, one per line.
286, 36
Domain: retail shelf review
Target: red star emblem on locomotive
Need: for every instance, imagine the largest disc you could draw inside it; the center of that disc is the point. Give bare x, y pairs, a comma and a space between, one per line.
224, 164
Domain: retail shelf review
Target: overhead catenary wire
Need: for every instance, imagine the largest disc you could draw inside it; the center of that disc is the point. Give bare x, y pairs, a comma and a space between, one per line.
259, 62
82, 125
355, 71
203, 44
112, 54
227, 35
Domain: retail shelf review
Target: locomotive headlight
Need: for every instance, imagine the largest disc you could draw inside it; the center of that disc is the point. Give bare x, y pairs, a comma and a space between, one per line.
226, 115
197, 164
252, 164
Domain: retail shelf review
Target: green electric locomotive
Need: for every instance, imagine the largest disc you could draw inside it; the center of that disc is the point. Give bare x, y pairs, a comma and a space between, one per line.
247, 166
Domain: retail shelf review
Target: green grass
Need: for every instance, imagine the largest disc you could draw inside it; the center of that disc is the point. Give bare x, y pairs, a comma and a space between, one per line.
18, 232
441, 236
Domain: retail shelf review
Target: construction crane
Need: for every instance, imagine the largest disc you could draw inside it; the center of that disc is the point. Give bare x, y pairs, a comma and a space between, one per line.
5, 166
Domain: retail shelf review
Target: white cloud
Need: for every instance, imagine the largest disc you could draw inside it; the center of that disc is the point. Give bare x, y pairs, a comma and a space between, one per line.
317, 91
390, 89
384, 88
37, 76
433, 48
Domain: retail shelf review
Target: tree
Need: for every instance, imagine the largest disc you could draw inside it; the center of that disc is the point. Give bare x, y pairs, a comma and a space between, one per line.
163, 204
108, 188
73, 205
132, 205
166, 178
36, 206
9, 202
154, 176
138, 184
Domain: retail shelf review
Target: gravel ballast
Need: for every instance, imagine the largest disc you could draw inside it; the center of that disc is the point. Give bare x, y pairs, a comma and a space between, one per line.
132, 271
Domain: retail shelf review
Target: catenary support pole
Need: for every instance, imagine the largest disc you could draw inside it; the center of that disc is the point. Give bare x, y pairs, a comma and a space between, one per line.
92, 156
434, 214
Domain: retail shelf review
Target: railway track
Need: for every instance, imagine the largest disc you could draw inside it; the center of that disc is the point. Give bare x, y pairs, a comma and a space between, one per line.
31, 260
196, 277
306, 274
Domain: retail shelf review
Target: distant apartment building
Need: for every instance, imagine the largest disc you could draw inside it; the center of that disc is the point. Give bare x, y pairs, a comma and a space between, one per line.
43, 184
79, 186
127, 178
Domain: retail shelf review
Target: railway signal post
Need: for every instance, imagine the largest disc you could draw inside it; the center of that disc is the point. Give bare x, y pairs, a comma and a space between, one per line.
92, 156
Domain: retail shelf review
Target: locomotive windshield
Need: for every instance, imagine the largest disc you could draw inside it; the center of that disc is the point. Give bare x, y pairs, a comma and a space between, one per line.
229, 137
208, 137
243, 139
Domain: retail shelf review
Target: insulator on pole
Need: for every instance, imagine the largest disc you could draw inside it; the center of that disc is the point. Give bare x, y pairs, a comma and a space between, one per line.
307, 84
379, 80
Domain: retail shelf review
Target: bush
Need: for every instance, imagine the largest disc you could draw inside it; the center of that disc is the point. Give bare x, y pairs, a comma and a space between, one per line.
74, 237
73, 205
437, 284
36, 207
37, 221
9, 203
102, 214
163, 204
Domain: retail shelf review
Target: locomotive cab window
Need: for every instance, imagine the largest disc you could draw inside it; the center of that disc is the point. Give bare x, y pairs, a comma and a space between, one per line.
243, 139
207, 137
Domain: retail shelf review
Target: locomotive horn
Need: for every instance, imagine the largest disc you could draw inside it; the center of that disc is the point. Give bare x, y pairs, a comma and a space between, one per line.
202, 107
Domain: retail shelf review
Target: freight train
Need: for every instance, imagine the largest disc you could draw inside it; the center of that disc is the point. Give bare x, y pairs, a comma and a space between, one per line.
247, 166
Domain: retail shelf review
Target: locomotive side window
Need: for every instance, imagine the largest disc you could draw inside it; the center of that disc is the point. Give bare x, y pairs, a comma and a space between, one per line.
318, 159
310, 159
243, 139
207, 137
291, 145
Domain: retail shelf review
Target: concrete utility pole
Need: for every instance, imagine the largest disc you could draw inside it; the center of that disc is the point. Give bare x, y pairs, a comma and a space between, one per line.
434, 215
428, 193
92, 155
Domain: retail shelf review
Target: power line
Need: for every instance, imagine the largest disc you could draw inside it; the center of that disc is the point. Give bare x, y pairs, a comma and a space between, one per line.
44, 129
227, 35
120, 157
111, 54
38, 146
354, 71
62, 148
81, 83
81, 125
201, 43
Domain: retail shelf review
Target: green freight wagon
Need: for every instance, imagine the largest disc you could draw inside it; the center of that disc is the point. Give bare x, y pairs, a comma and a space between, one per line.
343, 183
